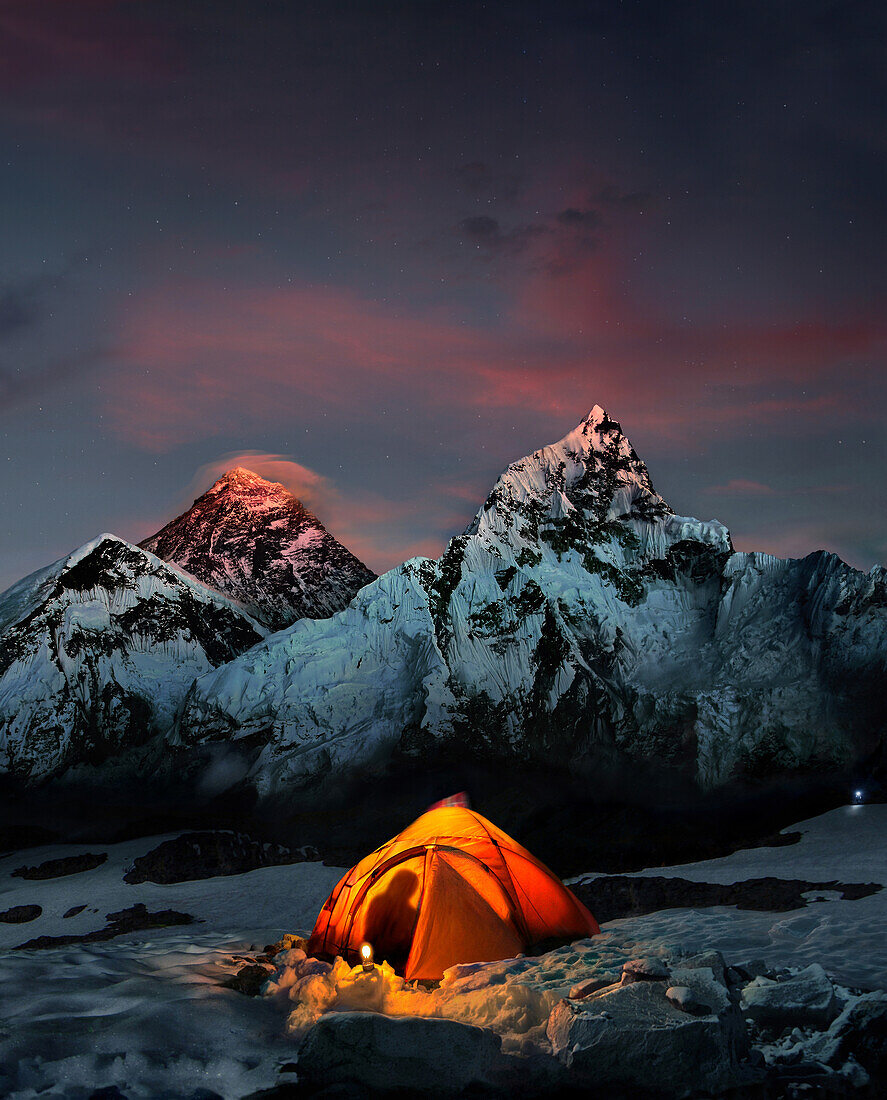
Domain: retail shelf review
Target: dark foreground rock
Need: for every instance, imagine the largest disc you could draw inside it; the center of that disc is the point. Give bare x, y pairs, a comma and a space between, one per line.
804, 999
612, 897
665, 1029
208, 855
660, 1031
407, 1053
58, 868
135, 919
249, 979
20, 914
860, 1034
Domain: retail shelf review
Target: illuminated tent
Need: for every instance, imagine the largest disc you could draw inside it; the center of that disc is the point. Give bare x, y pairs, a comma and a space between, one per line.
451, 888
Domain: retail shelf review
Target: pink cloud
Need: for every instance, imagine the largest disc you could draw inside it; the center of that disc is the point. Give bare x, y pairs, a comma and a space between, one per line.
48, 41
198, 359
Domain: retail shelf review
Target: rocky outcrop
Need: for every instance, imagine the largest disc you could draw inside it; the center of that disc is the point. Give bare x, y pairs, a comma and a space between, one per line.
383, 1053
804, 999
207, 854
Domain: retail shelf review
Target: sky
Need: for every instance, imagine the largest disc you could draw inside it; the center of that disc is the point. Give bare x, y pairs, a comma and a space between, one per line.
379, 251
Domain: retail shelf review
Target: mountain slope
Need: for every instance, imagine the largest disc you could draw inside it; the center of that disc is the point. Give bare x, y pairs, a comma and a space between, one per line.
98, 650
254, 541
578, 619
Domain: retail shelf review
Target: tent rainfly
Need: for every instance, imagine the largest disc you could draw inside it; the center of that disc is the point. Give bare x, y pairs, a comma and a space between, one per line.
451, 888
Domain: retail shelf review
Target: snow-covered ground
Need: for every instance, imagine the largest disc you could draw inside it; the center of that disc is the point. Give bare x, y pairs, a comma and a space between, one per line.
848, 938
146, 1011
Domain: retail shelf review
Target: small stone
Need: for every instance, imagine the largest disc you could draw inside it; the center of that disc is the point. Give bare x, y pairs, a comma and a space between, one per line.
591, 985
73, 911
290, 942
249, 980
644, 970
750, 970
682, 997
707, 960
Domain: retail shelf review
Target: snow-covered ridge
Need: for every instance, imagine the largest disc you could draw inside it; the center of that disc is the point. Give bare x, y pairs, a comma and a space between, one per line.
253, 540
98, 651
577, 618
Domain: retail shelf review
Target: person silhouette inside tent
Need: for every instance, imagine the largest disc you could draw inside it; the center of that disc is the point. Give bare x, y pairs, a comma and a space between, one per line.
391, 918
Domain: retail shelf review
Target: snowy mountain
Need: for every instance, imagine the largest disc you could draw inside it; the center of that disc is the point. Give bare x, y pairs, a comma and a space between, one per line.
98, 651
254, 541
577, 619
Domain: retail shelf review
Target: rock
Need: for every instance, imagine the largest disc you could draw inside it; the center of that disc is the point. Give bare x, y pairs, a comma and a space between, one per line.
385, 1053
754, 969
209, 854
805, 998
249, 979
67, 865
611, 897
644, 970
21, 914
707, 960
73, 911
682, 997
860, 1033
591, 985
134, 919
631, 1038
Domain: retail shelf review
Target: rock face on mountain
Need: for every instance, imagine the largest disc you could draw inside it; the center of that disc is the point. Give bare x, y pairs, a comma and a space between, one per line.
98, 650
252, 540
576, 619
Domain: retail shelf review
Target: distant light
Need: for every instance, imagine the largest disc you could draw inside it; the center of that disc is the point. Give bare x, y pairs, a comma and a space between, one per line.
366, 955
858, 796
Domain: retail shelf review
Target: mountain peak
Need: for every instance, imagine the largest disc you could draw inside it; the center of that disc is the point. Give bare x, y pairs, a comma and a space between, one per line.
239, 478
596, 416
254, 541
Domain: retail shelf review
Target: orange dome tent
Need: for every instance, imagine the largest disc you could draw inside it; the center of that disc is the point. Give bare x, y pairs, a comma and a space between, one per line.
451, 888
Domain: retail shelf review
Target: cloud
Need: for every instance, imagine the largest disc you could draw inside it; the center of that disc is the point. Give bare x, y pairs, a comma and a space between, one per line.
488, 237
741, 487
16, 384
484, 181
584, 219
24, 303
610, 195
197, 359
44, 43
